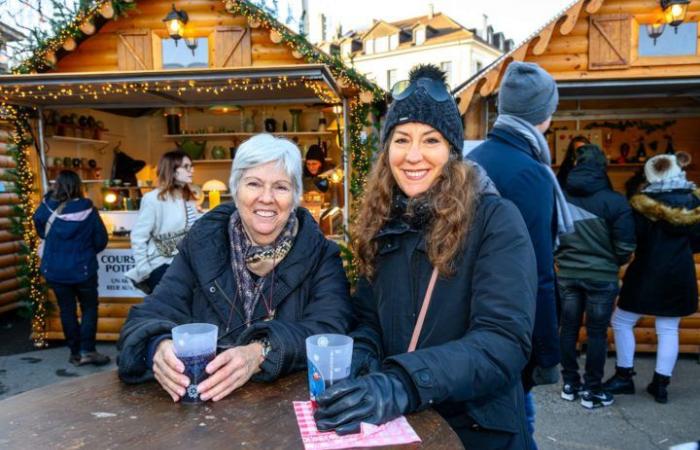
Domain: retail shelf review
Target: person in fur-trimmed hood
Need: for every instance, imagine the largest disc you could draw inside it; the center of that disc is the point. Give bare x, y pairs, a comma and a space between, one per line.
661, 280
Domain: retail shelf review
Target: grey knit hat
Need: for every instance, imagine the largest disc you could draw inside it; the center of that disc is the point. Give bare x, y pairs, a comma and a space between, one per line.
528, 92
420, 106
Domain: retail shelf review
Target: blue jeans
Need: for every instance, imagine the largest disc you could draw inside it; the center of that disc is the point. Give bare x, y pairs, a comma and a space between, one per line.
530, 417
80, 337
596, 299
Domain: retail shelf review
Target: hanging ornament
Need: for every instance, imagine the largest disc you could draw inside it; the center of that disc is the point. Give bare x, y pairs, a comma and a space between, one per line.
87, 27
253, 22
275, 36
296, 54
50, 57
366, 97
69, 44
107, 10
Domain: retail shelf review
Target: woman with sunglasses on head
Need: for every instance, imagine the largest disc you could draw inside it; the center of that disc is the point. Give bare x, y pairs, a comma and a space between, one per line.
448, 270
165, 216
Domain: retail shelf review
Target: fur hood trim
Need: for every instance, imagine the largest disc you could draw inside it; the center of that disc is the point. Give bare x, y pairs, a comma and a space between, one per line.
656, 210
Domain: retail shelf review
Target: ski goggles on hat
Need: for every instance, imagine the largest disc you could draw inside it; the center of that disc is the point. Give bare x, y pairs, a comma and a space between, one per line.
437, 90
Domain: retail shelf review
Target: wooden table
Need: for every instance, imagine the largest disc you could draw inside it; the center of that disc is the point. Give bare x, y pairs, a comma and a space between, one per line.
99, 412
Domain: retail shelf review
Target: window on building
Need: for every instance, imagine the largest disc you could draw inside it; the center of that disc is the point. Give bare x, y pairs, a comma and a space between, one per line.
381, 44
419, 36
369, 46
478, 65
394, 41
391, 78
181, 56
447, 68
670, 43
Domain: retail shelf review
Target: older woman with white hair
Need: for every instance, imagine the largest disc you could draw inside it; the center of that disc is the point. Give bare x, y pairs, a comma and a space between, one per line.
259, 268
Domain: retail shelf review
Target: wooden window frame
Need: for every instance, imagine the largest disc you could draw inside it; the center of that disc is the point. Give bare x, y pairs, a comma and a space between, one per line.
640, 61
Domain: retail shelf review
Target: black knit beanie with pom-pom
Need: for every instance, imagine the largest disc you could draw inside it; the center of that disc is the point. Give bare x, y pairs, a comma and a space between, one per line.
421, 107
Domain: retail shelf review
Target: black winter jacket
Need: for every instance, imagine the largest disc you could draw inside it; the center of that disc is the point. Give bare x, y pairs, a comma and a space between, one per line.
476, 337
661, 279
604, 236
310, 296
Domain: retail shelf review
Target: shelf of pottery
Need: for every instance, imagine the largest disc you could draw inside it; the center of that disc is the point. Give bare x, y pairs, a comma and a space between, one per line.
75, 136
212, 136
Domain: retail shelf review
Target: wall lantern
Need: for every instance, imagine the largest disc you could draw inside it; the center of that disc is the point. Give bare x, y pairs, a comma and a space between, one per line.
175, 23
655, 30
674, 12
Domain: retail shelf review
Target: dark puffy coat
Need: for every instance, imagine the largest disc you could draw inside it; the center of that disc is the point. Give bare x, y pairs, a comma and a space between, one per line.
310, 296
510, 162
476, 337
77, 235
661, 279
604, 236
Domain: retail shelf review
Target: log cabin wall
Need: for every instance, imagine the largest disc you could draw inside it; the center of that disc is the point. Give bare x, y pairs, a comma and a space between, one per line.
143, 29
12, 290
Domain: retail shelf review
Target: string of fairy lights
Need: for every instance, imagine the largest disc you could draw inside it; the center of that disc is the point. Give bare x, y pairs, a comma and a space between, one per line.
97, 91
363, 141
19, 146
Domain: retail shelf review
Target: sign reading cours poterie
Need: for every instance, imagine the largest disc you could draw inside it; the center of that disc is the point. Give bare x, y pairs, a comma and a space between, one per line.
113, 264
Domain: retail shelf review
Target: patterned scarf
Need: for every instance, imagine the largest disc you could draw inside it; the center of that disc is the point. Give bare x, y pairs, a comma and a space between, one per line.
415, 212
248, 258
670, 184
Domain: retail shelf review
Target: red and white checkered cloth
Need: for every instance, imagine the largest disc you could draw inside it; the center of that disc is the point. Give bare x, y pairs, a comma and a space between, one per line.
397, 431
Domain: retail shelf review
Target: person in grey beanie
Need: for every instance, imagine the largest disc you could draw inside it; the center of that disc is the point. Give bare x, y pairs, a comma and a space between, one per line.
517, 158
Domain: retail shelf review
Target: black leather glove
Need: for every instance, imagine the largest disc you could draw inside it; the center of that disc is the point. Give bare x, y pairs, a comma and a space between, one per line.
364, 362
376, 398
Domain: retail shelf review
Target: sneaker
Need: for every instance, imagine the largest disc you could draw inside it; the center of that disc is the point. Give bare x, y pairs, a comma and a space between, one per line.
95, 358
571, 391
74, 359
596, 399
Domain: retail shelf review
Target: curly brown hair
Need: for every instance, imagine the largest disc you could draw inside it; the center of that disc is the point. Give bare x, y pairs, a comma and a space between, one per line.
452, 197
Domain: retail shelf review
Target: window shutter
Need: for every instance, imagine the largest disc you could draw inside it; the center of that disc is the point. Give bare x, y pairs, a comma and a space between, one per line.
231, 47
135, 50
609, 42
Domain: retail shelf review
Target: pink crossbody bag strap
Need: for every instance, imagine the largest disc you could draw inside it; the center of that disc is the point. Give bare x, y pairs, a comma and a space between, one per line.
423, 311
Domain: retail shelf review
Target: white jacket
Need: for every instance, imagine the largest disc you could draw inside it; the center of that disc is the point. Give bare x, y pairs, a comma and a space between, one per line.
155, 217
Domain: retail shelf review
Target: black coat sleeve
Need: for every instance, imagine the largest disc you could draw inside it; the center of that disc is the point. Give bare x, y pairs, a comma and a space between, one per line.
622, 230
169, 305
327, 310
368, 334
497, 344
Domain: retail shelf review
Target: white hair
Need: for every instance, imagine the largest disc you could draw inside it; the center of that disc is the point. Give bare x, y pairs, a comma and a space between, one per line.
262, 149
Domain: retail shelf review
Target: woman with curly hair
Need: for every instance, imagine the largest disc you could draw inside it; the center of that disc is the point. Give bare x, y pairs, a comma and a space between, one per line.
445, 304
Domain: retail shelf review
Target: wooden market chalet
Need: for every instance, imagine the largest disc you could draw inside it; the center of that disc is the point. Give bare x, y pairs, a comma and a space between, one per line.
132, 79
628, 75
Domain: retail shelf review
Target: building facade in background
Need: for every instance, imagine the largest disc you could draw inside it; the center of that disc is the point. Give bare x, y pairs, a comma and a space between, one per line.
7, 34
386, 51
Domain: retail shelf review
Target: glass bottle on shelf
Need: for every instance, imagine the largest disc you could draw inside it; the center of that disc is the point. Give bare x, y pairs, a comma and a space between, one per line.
296, 115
